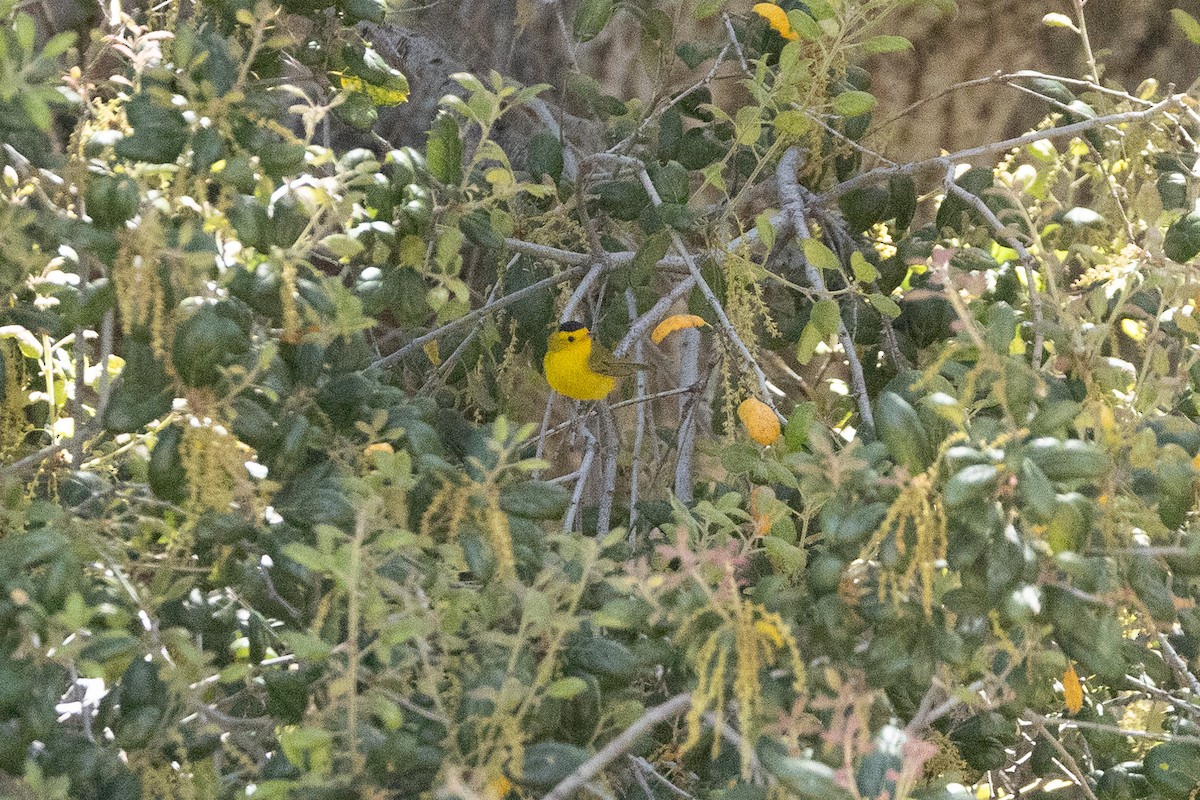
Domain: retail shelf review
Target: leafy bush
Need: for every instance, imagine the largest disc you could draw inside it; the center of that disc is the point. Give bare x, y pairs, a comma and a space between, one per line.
907, 505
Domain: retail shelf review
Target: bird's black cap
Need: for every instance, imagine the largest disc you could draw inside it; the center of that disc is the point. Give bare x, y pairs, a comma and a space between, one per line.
568, 327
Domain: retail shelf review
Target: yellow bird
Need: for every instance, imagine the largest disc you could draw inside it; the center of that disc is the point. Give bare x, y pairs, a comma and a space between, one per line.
581, 368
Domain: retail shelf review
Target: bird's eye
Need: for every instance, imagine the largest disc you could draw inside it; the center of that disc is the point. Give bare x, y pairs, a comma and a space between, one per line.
570, 338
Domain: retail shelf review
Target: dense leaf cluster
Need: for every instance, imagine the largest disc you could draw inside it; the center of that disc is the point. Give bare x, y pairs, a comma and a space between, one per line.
266, 519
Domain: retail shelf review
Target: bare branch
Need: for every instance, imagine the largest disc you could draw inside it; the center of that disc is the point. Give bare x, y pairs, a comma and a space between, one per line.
709, 295
648, 768
640, 426
878, 174
1178, 665
794, 213
1023, 254
618, 746
585, 469
608, 468
473, 316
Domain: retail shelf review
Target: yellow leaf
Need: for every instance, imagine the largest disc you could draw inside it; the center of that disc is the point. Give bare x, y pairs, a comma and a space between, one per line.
431, 352
777, 18
383, 96
1072, 690
676, 322
1135, 329
768, 631
760, 421
499, 787
380, 95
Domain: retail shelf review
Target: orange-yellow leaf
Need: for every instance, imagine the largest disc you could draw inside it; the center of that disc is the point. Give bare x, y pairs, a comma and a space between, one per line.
760, 421
431, 352
676, 322
499, 787
777, 17
1072, 690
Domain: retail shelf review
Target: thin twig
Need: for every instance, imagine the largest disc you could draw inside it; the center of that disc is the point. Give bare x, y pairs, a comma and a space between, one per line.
833, 223
835, 133
730, 734
1178, 665
608, 468
928, 716
733, 40
1179, 703
34, 458
648, 768
473, 316
689, 376
709, 295
543, 433
1087, 41
640, 424
544, 115
106, 347
643, 784
618, 746
792, 201
570, 423
81, 348
585, 467
1023, 254
871, 177
593, 235
642, 324
658, 112
1064, 755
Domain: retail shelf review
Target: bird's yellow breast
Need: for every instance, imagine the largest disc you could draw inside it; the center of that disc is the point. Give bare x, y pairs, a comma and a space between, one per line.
568, 373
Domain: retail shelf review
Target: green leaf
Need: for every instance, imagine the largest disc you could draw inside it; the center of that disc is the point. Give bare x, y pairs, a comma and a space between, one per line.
26, 31
58, 45
547, 763
740, 458
693, 54
864, 270
785, 556
804, 25
1187, 23
795, 433
566, 688
821, 9
810, 779
706, 8
766, 230
535, 500
820, 256
671, 182
886, 44
591, 18
810, 337
1059, 21
443, 150
884, 305
791, 122
545, 156
37, 110
343, 246
647, 257
853, 103
748, 125
826, 316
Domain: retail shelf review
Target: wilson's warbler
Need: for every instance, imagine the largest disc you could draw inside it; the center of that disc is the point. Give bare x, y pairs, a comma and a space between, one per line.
581, 368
